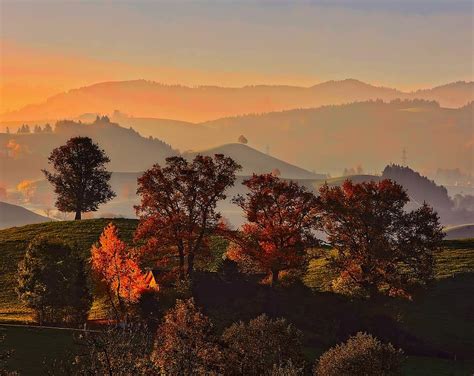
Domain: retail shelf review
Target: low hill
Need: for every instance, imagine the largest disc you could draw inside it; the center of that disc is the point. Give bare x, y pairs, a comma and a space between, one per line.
460, 232
254, 161
22, 156
143, 98
14, 215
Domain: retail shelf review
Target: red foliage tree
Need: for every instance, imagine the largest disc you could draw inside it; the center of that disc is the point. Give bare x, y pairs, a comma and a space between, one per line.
281, 216
178, 207
116, 266
380, 247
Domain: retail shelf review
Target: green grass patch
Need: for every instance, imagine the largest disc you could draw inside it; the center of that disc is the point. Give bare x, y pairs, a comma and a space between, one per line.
13, 244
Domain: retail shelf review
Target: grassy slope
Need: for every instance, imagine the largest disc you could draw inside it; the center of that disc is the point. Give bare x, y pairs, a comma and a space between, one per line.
441, 315
13, 243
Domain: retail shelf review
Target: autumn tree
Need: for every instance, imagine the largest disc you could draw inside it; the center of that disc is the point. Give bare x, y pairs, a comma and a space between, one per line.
116, 266
379, 246
261, 346
361, 355
184, 343
80, 180
52, 282
178, 206
281, 216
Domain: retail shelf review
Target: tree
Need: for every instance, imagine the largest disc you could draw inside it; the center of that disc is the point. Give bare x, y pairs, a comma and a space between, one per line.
37, 129
52, 281
81, 180
116, 266
280, 217
184, 343
260, 346
178, 206
361, 355
242, 139
47, 128
379, 247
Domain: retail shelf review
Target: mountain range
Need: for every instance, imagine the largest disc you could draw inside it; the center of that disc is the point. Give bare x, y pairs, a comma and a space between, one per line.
144, 99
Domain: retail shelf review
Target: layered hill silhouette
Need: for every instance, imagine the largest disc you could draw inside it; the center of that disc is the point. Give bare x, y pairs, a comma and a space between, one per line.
22, 156
142, 98
14, 215
254, 161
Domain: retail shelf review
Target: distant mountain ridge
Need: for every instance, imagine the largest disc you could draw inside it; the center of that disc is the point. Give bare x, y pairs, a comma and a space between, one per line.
14, 215
150, 99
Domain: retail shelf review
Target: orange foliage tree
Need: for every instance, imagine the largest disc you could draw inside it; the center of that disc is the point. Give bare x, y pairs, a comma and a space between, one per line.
281, 216
178, 207
116, 266
380, 247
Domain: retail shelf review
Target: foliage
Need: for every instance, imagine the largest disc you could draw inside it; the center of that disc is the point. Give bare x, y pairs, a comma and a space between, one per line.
116, 266
178, 206
184, 343
80, 180
115, 351
287, 369
259, 346
281, 216
52, 281
361, 355
380, 247
242, 139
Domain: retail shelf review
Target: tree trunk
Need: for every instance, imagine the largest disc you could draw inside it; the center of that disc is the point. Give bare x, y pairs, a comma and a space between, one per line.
181, 265
190, 265
78, 215
275, 274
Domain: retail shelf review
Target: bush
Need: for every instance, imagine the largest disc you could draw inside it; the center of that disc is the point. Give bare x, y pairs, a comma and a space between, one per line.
361, 355
259, 346
52, 281
184, 343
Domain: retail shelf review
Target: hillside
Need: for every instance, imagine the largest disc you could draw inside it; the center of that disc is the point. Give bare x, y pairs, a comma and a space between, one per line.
22, 156
14, 215
151, 99
370, 134
254, 161
438, 319
13, 243
459, 232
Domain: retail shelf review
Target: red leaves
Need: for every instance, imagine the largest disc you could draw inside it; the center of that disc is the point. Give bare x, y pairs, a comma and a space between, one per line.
381, 248
281, 217
178, 206
114, 264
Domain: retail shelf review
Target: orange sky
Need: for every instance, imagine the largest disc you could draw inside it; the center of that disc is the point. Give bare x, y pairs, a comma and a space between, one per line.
50, 46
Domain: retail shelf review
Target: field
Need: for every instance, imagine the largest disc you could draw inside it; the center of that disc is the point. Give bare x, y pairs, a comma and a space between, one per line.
436, 326
13, 243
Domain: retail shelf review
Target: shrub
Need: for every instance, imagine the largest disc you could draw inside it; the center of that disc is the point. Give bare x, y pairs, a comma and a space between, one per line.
184, 343
52, 281
361, 355
255, 348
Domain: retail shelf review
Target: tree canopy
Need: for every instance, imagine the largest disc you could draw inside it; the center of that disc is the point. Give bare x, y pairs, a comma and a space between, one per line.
178, 206
281, 218
52, 281
379, 246
80, 178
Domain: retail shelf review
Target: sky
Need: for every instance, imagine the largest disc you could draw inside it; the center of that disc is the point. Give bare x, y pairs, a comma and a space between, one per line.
51, 46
